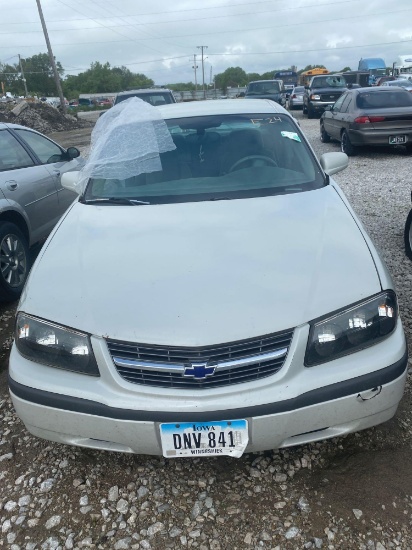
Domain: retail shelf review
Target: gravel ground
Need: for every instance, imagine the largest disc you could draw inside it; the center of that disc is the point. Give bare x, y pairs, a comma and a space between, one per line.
347, 493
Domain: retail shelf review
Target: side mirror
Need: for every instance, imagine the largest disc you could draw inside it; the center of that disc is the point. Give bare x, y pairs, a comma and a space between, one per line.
333, 162
329, 108
73, 152
70, 181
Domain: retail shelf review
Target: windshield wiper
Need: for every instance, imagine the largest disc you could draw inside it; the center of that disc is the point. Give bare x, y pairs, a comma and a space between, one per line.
114, 200
220, 199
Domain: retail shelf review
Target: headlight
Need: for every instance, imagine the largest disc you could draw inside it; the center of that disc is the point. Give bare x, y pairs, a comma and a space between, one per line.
55, 346
353, 329
315, 97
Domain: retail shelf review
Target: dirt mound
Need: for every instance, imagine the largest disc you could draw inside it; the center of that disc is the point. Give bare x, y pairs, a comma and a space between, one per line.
41, 117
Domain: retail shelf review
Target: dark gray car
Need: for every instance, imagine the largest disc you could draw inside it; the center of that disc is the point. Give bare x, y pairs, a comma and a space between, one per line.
379, 115
32, 198
267, 89
321, 92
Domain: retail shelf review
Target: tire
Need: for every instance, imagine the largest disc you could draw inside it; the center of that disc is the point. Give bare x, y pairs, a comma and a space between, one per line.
409, 148
14, 261
311, 114
345, 144
408, 235
324, 136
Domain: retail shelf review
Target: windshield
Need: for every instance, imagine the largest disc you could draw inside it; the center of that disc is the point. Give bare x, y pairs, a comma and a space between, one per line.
219, 158
155, 98
329, 82
268, 87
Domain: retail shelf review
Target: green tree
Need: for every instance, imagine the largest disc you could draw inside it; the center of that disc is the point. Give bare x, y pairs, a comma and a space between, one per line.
101, 78
232, 77
344, 70
253, 76
11, 80
38, 72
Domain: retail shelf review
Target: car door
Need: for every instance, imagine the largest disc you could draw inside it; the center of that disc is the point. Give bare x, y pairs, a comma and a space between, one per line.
333, 119
27, 186
55, 160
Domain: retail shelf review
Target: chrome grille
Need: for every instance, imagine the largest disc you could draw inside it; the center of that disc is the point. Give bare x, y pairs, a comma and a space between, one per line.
200, 367
333, 96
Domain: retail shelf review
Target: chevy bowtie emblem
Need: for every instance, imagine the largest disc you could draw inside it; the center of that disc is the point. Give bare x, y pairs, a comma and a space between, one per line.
199, 371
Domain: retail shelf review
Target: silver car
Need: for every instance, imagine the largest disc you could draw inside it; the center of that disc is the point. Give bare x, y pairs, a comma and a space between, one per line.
296, 98
32, 198
246, 308
400, 83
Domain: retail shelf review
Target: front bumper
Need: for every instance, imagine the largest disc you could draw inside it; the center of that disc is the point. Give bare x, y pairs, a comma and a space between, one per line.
296, 406
319, 106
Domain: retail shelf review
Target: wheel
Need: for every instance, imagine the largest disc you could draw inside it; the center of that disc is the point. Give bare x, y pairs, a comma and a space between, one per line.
345, 144
324, 136
409, 148
408, 235
311, 114
255, 160
14, 261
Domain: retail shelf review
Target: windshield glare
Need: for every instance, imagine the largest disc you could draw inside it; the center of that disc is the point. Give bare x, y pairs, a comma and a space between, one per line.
222, 157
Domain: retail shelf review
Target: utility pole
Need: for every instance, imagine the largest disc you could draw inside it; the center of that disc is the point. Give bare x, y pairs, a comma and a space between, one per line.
203, 71
22, 75
195, 67
53, 64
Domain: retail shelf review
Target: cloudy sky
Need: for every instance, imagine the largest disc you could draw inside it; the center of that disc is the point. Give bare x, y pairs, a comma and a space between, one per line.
160, 38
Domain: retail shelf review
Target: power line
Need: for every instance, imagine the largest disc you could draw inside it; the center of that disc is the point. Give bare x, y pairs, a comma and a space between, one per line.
173, 12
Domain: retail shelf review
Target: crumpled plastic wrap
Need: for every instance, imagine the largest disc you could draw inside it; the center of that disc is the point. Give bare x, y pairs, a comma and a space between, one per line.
126, 141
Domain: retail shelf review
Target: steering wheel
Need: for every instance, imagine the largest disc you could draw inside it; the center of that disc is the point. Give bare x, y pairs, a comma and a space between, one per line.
259, 158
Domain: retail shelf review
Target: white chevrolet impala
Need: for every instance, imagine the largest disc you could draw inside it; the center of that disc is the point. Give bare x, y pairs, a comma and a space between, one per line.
211, 292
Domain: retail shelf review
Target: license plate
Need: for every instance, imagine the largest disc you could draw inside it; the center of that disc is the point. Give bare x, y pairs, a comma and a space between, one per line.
393, 140
229, 437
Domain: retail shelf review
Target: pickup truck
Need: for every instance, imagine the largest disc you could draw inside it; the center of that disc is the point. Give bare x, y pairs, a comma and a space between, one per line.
322, 91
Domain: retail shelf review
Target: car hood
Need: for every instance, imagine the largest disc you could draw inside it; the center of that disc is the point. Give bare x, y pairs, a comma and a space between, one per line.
201, 273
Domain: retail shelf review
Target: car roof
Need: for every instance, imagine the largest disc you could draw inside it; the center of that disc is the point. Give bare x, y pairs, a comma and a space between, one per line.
268, 80
221, 107
378, 89
144, 91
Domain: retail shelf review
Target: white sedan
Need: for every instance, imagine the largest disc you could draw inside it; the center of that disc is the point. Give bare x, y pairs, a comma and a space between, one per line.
212, 293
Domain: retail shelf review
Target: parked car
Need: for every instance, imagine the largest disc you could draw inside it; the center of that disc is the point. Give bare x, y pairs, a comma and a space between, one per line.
322, 92
246, 308
379, 81
296, 98
401, 83
381, 115
87, 102
32, 201
267, 89
154, 96
408, 234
